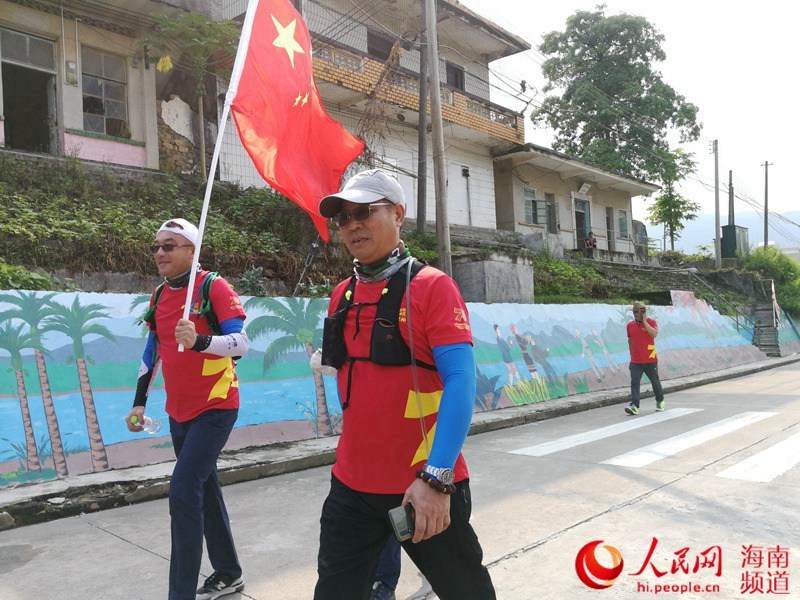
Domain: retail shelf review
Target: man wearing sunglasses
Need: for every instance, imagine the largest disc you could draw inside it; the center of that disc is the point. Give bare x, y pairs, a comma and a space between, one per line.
642, 332
202, 403
406, 382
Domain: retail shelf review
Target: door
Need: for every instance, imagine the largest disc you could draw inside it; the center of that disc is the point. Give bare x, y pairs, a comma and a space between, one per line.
610, 228
27, 108
29, 91
580, 228
582, 222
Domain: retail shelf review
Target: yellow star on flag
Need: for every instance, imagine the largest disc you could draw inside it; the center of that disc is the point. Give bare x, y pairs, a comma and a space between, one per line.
286, 39
652, 349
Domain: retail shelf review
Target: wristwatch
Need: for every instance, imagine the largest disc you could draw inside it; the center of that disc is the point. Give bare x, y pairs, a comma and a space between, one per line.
442, 474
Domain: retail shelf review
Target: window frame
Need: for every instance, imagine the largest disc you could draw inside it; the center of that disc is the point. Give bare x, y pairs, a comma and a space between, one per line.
376, 53
460, 76
105, 82
622, 217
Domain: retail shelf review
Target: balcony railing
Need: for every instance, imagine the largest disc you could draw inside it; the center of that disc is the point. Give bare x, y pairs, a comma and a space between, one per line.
455, 100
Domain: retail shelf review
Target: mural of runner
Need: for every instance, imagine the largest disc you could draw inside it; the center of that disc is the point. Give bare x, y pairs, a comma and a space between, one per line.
69, 361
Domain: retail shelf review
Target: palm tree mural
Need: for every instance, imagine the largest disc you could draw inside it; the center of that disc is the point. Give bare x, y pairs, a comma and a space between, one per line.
299, 320
34, 309
13, 341
141, 299
75, 322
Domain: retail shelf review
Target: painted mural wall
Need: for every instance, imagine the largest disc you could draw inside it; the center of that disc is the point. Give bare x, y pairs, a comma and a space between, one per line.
69, 361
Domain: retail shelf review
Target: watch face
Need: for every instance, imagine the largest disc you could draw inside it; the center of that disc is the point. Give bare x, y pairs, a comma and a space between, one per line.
446, 476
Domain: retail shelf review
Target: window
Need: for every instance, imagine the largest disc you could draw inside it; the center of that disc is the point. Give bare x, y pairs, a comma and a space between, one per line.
552, 213
379, 46
529, 200
27, 50
623, 225
104, 93
455, 76
538, 212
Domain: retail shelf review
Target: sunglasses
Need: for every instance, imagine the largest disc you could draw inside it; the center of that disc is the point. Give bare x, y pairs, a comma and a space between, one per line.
640, 310
359, 213
167, 247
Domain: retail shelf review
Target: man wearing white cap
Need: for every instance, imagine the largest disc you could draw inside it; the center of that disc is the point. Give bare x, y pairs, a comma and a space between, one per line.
202, 403
398, 334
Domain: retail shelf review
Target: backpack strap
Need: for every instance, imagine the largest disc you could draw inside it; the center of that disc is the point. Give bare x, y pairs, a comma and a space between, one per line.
206, 309
149, 316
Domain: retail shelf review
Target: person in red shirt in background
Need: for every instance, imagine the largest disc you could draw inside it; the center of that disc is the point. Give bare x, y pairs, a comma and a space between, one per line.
406, 381
202, 403
642, 332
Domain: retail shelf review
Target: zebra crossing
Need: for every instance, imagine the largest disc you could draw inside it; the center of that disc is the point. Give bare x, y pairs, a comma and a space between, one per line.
763, 466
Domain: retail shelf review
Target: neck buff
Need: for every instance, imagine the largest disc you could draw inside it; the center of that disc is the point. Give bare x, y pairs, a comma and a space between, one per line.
180, 281
383, 269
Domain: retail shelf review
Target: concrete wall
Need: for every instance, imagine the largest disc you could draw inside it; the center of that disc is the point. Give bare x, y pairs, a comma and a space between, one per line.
509, 186
497, 279
141, 95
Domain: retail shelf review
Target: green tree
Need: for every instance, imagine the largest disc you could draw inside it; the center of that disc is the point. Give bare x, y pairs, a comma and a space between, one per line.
200, 46
299, 320
670, 208
773, 264
33, 310
13, 341
613, 107
75, 322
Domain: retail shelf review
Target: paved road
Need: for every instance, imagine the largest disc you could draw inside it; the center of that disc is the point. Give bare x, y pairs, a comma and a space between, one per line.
718, 468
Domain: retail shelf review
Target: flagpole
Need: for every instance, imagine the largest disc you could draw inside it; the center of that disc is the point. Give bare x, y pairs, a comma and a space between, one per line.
236, 73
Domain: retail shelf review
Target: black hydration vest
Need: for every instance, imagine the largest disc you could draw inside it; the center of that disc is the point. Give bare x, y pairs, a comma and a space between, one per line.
387, 347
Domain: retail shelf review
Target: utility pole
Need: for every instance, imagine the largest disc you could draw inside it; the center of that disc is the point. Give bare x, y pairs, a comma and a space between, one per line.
422, 129
717, 245
440, 176
731, 216
766, 166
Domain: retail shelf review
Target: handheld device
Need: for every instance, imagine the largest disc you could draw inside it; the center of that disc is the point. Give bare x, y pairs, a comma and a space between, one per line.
402, 520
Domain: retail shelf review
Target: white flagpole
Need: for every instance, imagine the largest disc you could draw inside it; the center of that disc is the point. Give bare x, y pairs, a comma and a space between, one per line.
236, 73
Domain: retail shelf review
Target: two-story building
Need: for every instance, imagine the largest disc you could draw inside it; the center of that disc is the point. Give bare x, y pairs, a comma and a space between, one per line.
351, 49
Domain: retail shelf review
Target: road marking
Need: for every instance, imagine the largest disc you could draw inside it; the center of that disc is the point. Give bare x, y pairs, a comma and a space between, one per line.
671, 446
767, 464
586, 437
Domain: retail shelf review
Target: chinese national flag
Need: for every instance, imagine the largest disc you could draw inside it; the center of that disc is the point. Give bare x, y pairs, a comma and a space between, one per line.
296, 146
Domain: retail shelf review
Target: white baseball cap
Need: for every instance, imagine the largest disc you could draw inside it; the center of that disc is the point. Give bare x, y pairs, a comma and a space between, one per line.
181, 227
364, 188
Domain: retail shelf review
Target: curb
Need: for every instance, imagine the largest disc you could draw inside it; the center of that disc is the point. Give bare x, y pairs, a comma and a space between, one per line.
142, 484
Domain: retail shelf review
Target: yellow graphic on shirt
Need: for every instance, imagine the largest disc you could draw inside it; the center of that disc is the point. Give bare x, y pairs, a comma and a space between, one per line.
428, 403
652, 348
212, 366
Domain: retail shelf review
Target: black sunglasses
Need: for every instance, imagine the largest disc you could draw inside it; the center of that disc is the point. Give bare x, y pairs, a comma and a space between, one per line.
167, 247
359, 213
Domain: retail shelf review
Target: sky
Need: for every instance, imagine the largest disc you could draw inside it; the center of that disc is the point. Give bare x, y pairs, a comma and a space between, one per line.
737, 61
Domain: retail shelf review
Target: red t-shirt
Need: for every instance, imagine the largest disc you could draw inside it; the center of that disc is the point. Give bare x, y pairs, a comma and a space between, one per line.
195, 381
641, 343
381, 447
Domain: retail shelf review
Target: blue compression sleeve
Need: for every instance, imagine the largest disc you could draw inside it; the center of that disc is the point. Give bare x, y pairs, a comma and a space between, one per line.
234, 325
146, 368
456, 365
149, 354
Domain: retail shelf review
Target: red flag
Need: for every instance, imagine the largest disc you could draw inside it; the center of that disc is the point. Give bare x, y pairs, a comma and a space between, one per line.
293, 142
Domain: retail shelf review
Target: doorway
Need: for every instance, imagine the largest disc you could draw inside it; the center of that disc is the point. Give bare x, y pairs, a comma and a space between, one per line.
610, 228
582, 222
29, 107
